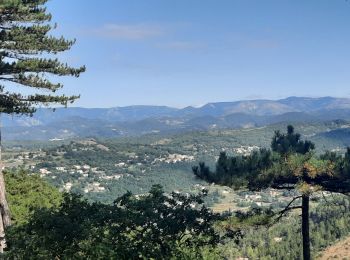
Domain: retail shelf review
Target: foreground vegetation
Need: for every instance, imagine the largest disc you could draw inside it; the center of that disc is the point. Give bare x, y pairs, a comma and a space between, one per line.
329, 222
290, 164
50, 224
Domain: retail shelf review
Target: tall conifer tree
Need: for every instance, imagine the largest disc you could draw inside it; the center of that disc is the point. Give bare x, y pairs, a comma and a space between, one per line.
27, 59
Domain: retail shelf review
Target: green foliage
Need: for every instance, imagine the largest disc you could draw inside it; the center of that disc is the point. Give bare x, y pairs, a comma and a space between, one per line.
293, 167
24, 37
290, 143
289, 164
28, 193
153, 226
329, 222
236, 171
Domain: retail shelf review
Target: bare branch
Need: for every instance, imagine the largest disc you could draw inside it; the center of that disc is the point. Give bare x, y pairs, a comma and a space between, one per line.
287, 209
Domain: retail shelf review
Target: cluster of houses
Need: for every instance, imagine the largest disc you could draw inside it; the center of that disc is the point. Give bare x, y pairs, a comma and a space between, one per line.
259, 200
174, 158
84, 170
94, 187
245, 150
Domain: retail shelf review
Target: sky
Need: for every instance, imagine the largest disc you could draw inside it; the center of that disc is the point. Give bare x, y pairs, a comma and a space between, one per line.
191, 52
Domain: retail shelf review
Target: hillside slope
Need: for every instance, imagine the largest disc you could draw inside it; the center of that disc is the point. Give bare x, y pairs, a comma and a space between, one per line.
340, 250
69, 123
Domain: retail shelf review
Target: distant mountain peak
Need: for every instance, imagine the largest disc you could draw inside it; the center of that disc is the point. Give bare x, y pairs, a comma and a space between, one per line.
145, 119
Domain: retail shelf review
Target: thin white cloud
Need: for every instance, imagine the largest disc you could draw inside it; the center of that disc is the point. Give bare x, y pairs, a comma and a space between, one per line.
130, 32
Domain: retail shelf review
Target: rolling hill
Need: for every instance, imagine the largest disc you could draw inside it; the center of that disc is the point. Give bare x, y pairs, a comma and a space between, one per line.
139, 120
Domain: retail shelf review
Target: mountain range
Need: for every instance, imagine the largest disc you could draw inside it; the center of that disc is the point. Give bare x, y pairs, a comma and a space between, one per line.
74, 122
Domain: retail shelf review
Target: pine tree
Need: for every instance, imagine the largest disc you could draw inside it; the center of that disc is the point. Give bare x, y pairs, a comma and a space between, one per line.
27, 59
291, 164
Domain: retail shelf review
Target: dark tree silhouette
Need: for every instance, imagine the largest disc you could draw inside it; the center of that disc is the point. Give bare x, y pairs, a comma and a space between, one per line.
290, 164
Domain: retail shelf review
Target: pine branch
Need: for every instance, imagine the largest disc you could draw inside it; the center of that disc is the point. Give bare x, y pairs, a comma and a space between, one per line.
32, 40
24, 35
23, 11
287, 209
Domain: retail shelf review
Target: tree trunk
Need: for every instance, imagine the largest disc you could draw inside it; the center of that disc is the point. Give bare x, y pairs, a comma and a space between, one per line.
305, 229
5, 219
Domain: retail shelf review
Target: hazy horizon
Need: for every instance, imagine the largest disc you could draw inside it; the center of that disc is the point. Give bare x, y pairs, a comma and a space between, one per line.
200, 105
193, 52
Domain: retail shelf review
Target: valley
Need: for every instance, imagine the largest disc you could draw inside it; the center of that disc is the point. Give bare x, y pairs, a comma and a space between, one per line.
134, 121
102, 169
174, 130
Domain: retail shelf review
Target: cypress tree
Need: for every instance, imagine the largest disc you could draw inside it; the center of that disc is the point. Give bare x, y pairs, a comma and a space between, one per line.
27, 59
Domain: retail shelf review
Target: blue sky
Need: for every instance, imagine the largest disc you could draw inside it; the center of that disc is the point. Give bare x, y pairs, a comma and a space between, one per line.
190, 52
